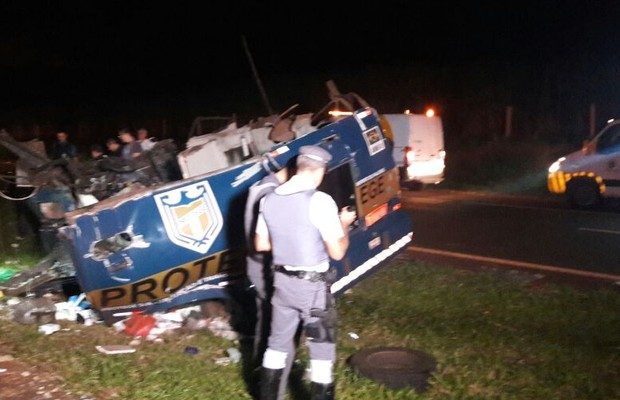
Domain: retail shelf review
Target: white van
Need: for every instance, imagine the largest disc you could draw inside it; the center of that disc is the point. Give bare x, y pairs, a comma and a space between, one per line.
591, 173
418, 146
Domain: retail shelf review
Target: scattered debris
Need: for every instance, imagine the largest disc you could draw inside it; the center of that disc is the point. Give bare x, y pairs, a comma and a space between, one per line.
6, 273
353, 335
13, 301
234, 355
48, 329
76, 309
35, 310
115, 349
223, 361
56, 265
221, 327
2, 370
139, 324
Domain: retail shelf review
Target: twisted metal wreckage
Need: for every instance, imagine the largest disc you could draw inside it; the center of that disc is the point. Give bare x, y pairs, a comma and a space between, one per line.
166, 229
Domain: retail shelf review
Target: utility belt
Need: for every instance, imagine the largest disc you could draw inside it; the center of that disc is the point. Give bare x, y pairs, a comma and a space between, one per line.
311, 276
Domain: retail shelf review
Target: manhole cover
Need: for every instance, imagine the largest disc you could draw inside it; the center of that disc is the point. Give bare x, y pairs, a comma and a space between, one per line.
395, 367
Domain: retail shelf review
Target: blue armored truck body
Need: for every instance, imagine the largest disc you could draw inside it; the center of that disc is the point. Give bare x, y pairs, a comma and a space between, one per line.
161, 247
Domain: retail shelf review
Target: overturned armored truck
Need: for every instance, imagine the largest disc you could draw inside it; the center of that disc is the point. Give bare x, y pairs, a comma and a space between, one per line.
155, 241
160, 247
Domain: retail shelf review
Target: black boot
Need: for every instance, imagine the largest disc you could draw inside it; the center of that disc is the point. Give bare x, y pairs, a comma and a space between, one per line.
322, 391
270, 383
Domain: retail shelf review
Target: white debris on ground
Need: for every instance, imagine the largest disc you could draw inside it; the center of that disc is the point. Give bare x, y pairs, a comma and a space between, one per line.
48, 329
44, 312
233, 357
353, 335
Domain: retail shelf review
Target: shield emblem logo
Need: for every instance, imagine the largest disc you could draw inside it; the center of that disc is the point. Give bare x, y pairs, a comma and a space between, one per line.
191, 216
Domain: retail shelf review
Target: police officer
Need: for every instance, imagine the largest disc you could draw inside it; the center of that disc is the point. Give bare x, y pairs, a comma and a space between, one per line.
303, 229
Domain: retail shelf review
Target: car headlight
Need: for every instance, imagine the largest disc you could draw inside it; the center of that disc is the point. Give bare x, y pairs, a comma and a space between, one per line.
555, 167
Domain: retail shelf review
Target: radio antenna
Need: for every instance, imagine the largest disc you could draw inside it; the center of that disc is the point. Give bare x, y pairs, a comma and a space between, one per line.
256, 77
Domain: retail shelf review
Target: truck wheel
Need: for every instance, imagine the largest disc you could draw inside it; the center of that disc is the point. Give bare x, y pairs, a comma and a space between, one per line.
583, 193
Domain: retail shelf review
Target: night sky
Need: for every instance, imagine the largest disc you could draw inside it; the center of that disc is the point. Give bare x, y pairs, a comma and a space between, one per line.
106, 57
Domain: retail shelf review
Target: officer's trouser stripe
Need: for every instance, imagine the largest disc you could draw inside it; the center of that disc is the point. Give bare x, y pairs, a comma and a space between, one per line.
274, 359
321, 371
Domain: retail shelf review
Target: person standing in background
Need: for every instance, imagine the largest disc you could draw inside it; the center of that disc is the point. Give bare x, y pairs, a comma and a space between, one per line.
131, 147
114, 148
61, 148
145, 141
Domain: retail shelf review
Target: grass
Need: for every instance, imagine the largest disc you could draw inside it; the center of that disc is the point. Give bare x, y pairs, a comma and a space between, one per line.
494, 336
17, 253
506, 167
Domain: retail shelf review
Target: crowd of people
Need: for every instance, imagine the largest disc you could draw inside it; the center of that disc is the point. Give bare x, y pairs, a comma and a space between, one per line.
125, 145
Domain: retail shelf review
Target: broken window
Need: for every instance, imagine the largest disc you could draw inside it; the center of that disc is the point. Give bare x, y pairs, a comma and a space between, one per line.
338, 183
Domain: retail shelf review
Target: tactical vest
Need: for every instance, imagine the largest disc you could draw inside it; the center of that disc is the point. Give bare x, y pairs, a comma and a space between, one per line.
256, 192
295, 241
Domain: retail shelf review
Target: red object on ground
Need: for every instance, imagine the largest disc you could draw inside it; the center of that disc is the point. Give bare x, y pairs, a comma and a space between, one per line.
139, 324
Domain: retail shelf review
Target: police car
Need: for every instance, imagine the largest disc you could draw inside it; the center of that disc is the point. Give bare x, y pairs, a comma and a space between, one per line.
592, 173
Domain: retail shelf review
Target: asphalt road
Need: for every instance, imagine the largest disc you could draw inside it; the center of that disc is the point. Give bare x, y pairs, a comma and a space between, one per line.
515, 230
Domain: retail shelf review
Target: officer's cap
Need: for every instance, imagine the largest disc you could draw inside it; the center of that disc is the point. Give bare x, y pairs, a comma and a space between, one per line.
315, 153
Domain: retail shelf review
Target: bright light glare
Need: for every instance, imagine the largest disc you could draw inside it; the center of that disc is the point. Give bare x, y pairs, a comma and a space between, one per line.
430, 112
555, 167
407, 111
337, 113
410, 156
422, 169
609, 121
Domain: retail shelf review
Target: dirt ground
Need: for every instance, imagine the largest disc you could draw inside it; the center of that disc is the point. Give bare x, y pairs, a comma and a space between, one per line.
19, 381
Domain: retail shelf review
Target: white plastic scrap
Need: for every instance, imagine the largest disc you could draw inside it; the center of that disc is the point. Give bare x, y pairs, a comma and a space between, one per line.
66, 311
13, 301
234, 355
178, 315
69, 311
222, 361
353, 335
48, 329
220, 327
